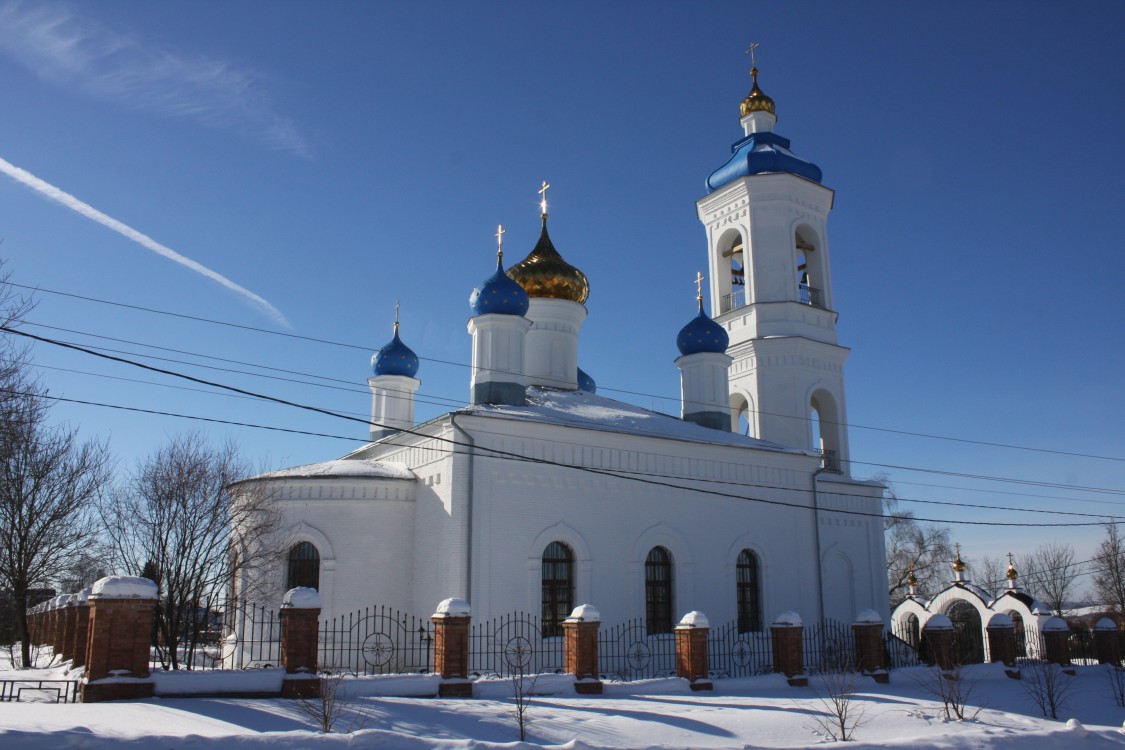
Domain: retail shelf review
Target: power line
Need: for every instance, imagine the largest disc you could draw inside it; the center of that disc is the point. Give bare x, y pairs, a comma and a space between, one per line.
313, 339
500, 454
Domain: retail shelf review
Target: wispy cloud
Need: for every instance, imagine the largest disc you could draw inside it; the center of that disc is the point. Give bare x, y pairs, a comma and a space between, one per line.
66, 199
59, 46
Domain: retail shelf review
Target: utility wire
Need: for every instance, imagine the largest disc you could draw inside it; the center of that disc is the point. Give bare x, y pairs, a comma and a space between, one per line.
500, 454
313, 339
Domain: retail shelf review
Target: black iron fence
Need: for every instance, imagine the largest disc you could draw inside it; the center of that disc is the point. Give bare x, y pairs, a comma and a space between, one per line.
252, 637
376, 640
513, 645
735, 654
628, 652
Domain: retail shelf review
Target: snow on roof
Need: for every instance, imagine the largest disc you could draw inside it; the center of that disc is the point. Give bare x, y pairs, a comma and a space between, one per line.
592, 412
344, 468
788, 618
586, 613
453, 608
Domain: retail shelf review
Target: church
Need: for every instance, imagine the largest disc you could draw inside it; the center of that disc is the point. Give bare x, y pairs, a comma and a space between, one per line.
541, 495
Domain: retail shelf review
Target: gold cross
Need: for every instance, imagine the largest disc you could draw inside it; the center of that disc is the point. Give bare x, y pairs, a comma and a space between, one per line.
750, 51
500, 241
699, 286
958, 546
543, 199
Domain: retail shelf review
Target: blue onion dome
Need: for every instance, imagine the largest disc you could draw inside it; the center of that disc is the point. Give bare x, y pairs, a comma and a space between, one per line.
586, 383
499, 294
544, 273
396, 358
702, 335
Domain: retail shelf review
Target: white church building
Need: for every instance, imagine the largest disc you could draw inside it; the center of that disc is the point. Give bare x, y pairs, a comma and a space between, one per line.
540, 494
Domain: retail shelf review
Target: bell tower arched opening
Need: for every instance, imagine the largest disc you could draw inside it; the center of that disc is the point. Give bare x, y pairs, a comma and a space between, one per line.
731, 270
811, 276
824, 429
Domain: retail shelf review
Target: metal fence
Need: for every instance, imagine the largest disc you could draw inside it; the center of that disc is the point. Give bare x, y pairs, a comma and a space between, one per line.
513, 645
628, 652
252, 637
829, 647
376, 640
735, 654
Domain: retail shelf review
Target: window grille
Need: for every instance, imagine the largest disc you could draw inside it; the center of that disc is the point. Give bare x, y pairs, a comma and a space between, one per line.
558, 587
658, 591
304, 567
749, 593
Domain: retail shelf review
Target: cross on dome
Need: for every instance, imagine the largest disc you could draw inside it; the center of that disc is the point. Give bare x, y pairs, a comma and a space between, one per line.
543, 198
500, 241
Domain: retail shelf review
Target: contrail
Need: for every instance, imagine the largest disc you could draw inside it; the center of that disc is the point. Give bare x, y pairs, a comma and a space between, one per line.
68, 200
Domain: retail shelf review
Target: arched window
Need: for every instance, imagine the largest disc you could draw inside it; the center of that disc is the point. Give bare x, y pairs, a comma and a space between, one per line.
749, 593
304, 567
658, 591
810, 277
825, 428
558, 587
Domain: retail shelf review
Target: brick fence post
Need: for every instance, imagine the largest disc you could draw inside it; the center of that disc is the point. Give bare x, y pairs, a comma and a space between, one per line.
81, 627
786, 633
870, 654
1001, 639
55, 639
1107, 642
451, 648
580, 648
1055, 634
300, 631
120, 637
67, 621
692, 659
937, 636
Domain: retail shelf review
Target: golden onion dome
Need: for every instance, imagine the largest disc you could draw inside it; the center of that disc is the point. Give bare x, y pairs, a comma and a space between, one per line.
911, 580
1011, 575
544, 273
958, 563
756, 100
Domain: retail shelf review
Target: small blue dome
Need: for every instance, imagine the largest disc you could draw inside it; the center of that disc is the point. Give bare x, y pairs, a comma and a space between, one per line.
499, 294
759, 153
396, 358
586, 383
702, 335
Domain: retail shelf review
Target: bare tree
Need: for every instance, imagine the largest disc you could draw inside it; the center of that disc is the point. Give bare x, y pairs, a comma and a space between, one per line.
49, 480
1048, 573
176, 523
840, 712
1109, 569
923, 548
49, 484
989, 573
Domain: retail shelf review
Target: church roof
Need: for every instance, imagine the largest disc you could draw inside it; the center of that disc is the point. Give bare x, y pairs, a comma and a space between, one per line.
592, 412
344, 468
760, 153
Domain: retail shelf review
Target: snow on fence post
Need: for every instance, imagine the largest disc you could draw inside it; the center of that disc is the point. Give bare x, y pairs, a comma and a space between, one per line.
692, 662
1107, 642
451, 648
119, 639
580, 648
937, 635
870, 655
1056, 641
300, 630
81, 627
788, 651
1002, 640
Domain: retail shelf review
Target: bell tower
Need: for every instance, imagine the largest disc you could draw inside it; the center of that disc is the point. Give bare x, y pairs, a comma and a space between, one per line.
766, 216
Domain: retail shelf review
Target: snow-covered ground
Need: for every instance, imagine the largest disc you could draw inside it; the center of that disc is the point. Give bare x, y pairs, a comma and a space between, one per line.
759, 712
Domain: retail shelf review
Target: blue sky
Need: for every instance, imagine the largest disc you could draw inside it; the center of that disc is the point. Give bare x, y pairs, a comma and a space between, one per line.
331, 158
